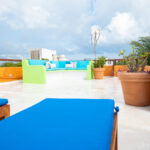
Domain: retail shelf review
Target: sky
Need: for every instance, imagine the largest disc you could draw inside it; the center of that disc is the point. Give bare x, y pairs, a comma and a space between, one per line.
65, 26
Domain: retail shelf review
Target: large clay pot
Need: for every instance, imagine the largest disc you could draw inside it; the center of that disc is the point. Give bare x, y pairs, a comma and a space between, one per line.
136, 88
98, 73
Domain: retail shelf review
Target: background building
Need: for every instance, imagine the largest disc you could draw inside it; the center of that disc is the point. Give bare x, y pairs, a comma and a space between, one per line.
43, 53
62, 58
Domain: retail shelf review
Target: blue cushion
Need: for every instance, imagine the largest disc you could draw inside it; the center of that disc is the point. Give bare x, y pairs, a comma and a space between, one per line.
60, 124
3, 101
62, 64
82, 64
68, 62
37, 62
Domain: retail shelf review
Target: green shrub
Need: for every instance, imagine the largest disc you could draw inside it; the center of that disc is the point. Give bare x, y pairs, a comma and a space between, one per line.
45, 59
142, 46
100, 62
135, 61
11, 64
121, 62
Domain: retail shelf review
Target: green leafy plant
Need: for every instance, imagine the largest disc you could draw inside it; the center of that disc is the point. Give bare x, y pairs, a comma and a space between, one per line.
135, 61
142, 46
121, 62
45, 59
100, 62
11, 64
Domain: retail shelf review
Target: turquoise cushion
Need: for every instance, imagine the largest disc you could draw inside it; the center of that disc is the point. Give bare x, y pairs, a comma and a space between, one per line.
37, 62
82, 64
62, 64
60, 124
3, 101
68, 62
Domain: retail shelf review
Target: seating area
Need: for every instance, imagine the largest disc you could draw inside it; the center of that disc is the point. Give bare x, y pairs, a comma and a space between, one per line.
61, 65
34, 71
68, 124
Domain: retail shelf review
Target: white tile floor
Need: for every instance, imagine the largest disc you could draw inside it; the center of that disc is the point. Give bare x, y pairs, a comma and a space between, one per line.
134, 122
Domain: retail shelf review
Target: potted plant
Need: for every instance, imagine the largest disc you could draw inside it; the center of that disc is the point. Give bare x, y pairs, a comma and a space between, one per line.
98, 69
135, 82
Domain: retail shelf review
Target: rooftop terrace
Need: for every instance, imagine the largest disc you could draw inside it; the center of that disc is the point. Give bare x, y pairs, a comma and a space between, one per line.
134, 122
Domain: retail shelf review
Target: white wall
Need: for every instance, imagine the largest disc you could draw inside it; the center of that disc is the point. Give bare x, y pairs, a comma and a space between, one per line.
47, 54
44, 53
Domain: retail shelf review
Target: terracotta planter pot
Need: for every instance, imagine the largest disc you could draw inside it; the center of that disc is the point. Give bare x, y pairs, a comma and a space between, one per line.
136, 88
98, 73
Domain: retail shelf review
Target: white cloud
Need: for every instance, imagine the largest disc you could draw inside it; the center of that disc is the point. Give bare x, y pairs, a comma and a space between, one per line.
124, 25
122, 29
70, 21
3, 55
41, 13
20, 13
71, 49
9, 56
19, 56
94, 29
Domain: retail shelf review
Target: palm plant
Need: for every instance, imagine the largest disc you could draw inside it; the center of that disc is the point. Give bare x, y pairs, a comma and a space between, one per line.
142, 46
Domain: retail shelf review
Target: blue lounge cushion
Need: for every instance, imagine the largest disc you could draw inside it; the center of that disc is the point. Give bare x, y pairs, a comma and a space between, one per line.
3, 101
37, 62
82, 64
60, 124
62, 64
68, 62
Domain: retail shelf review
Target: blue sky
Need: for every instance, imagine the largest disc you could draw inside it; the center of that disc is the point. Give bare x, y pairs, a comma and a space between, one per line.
65, 25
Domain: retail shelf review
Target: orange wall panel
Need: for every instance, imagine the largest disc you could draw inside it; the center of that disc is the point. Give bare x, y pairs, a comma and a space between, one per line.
147, 68
124, 68
119, 67
10, 72
2, 72
108, 70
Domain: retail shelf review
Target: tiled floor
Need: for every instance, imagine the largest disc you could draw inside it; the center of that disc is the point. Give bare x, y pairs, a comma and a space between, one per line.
134, 122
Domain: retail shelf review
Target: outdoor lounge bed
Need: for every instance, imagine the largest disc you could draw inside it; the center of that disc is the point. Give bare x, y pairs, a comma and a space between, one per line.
4, 108
62, 124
